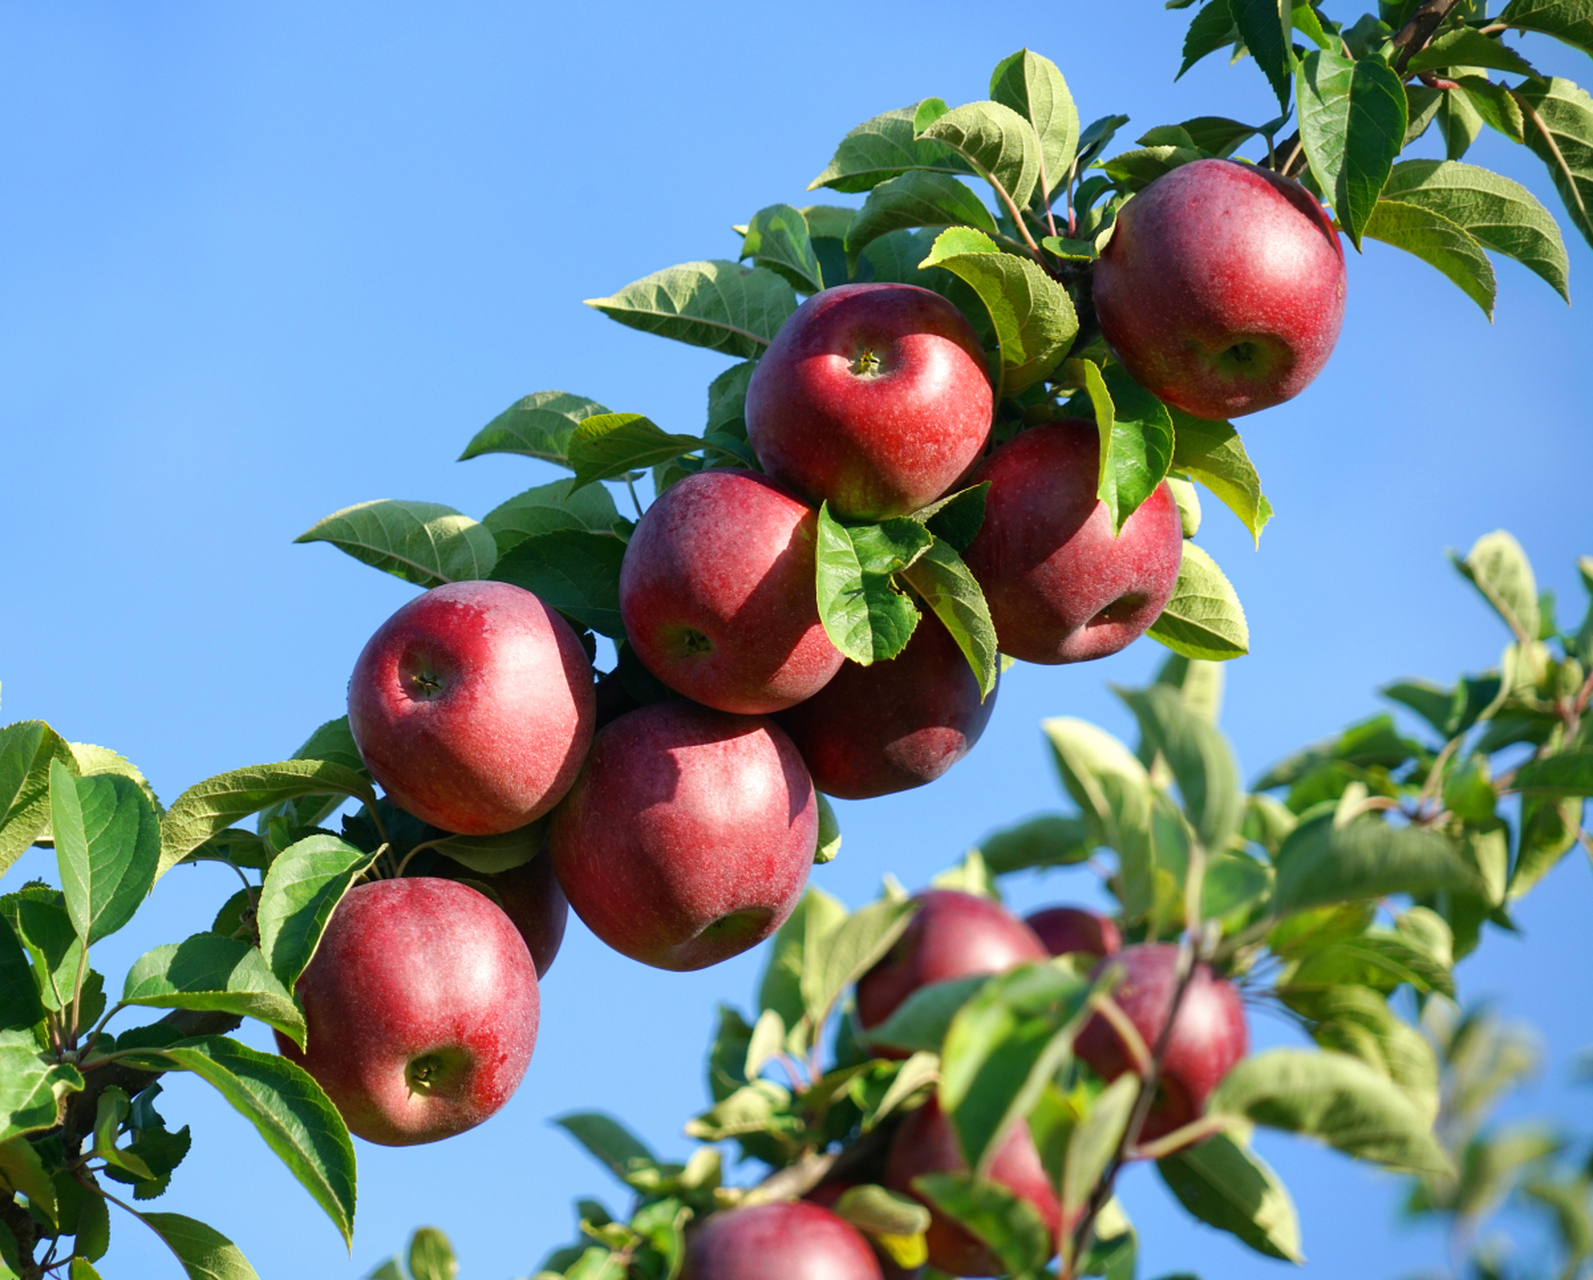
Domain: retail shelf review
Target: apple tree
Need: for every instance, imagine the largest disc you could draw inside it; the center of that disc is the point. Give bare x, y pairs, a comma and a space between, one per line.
1342, 887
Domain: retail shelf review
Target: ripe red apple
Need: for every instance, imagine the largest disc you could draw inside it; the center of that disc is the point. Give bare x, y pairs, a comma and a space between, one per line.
1208, 1037
1222, 288
421, 1010
716, 591
893, 725
1066, 930
1060, 587
530, 896
953, 935
784, 1240
473, 707
688, 836
926, 1143
873, 397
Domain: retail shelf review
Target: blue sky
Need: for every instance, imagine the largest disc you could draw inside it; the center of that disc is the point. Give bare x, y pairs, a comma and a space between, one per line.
263, 262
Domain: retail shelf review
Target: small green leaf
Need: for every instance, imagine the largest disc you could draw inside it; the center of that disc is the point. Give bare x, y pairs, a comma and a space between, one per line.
608, 445
608, 1140
1440, 243
1212, 29
211, 972
204, 1252
431, 1256
1322, 863
1050, 840
848, 951
919, 1023
879, 1212
26, 750
549, 508
1011, 1227
919, 198
1136, 438
1569, 775
829, 842
950, 590
886, 146
107, 846
778, 238
1204, 619
817, 915
1468, 47
863, 613
32, 1085
1499, 569
1199, 756
22, 1170
1233, 1189
1548, 832
537, 426
1558, 121
1033, 87
421, 542
719, 305
301, 890
1107, 782
20, 1006
39, 921
1352, 123
1567, 20
1135, 170
574, 571
491, 855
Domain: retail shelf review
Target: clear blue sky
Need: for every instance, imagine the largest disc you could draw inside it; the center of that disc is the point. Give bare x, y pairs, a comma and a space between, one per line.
265, 261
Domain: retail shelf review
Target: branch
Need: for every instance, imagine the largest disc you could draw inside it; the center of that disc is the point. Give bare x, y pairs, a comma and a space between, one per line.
796, 1180
26, 1231
1415, 34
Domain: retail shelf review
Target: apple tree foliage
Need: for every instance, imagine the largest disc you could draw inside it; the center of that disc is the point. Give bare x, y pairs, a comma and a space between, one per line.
1343, 886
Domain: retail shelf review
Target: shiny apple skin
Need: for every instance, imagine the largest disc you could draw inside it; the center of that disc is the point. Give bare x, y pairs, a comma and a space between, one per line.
688, 836
952, 935
1222, 288
783, 1240
893, 725
872, 443
925, 1143
1073, 930
1208, 1037
473, 707
413, 974
716, 592
1060, 587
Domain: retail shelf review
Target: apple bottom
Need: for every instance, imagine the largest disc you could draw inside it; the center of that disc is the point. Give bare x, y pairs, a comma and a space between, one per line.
421, 1006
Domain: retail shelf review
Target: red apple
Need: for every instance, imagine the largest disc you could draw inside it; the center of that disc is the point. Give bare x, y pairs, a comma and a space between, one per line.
473, 707
953, 935
1222, 288
1060, 587
716, 591
1068, 930
827, 1194
926, 1143
1208, 1037
688, 836
893, 725
530, 896
784, 1240
421, 1008
873, 397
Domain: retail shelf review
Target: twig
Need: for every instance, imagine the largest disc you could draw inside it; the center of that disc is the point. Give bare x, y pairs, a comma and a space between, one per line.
1415, 34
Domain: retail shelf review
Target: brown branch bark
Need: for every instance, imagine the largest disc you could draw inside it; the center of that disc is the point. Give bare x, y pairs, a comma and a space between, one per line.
26, 1231
1415, 34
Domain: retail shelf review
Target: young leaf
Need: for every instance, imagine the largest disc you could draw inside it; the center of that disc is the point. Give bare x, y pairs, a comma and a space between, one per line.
608, 1140
204, 1252
998, 143
26, 750
32, 1085
719, 305
421, 542
1232, 1189
301, 890
211, 972
1499, 569
1567, 20
537, 426
918, 198
1199, 756
431, 1256
1558, 119
864, 615
886, 146
778, 238
548, 508
1322, 863
209, 807
1011, 1227
1033, 87
608, 445
949, 589
1265, 27
574, 571
1204, 619
1336, 1098
1439, 242
1352, 123
107, 845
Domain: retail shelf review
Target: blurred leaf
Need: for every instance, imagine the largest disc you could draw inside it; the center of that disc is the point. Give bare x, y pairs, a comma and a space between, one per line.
431, 1256
919, 1023
1204, 618
572, 570
300, 893
538, 426
1234, 1190
421, 542
719, 305
1569, 774
1199, 756
107, 846
888, 145
1548, 832
211, 972
848, 951
1322, 863
1050, 840
1095, 1140
1357, 1021
1011, 1227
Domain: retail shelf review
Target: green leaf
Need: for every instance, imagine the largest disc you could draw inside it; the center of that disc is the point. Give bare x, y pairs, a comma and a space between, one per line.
38, 920
829, 842
1567, 20
1094, 1141
1265, 26
1548, 832
1357, 1020
26, 750
538, 426
1337, 1099
1136, 438
1558, 121
421, 542
1204, 619
574, 571
549, 508
719, 305
848, 951
1034, 88
32, 1085
1011, 1227
1232, 1189
864, 614
1569, 774
491, 855
778, 238
211, 972
207, 808
431, 1256
205, 1253
1034, 319
1199, 756
1322, 863
608, 445
20, 1006
885, 146
615, 1146
1050, 840
998, 144
919, 198
301, 890
93, 761
1499, 569
332, 742
287, 1108
1438, 242
1352, 123
919, 1023
1107, 782
816, 916
1212, 29
22, 1170
107, 846
1136, 170
948, 587
1468, 47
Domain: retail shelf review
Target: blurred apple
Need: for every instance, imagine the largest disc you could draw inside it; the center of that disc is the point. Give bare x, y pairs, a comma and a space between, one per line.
1066, 930
784, 1240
